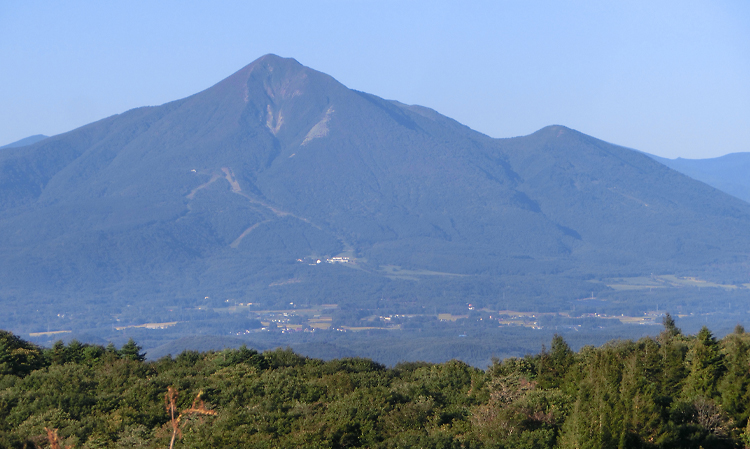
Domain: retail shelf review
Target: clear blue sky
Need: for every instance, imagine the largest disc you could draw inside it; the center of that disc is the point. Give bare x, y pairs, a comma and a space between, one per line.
667, 77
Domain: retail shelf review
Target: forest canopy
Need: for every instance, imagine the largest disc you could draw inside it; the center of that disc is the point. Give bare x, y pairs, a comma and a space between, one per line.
671, 391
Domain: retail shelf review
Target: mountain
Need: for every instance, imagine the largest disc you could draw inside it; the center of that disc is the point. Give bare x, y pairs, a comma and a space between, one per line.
25, 141
727, 173
190, 211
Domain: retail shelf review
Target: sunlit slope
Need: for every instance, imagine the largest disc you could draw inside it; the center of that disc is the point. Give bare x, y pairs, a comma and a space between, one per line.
225, 190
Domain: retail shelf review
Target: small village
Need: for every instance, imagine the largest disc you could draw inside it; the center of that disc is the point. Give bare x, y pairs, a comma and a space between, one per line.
321, 318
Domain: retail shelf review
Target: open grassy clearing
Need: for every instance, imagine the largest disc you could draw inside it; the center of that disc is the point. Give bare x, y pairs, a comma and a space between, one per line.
396, 272
47, 334
665, 281
149, 325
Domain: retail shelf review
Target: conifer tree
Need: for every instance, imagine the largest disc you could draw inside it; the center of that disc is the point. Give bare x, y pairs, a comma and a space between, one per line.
132, 351
553, 365
733, 387
705, 364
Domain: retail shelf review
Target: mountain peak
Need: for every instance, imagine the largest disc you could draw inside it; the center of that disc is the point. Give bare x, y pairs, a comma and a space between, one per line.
273, 63
555, 131
227, 193
269, 69
271, 58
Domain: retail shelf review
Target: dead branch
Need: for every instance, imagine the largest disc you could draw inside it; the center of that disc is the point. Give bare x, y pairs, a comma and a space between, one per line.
54, 440
170, 402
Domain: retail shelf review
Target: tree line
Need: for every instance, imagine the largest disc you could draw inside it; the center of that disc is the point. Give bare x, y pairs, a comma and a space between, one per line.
669, 391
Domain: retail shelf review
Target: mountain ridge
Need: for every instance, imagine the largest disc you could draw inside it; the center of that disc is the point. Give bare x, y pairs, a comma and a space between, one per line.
25, 141
727, 173
226, 195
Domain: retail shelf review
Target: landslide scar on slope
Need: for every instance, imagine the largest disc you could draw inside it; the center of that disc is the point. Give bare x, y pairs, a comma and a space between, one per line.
229, 175
320, 129
192, 193
274, 123
247, 231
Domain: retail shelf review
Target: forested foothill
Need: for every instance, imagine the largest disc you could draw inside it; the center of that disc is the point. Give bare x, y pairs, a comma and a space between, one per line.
670, 391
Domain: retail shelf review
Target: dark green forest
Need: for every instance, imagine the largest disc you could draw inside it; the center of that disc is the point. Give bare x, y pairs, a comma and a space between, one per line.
670, 391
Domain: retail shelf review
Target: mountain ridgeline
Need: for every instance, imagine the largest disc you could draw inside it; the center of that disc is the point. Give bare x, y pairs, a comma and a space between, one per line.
25, 141
728, 173
235, 193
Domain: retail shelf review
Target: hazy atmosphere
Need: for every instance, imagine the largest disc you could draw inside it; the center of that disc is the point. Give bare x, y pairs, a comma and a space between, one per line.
381, 225
668, 78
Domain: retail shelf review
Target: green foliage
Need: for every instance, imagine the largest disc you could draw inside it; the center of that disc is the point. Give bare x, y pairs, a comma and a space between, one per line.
706, 364
18, 357
77, 352
131, 351
250, 357
670, 326
552, 366
674, 391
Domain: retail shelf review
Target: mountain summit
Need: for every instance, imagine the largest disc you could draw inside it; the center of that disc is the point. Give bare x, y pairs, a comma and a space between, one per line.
232, 194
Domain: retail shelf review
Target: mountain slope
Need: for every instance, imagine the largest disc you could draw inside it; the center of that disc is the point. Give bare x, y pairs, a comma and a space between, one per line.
25, 141
228, 194
619, 200
727, 173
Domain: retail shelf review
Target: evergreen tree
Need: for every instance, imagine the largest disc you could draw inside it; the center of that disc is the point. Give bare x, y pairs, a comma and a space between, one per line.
705, 365
132, 351
733, 387
553, 365
670, 326
641, 405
